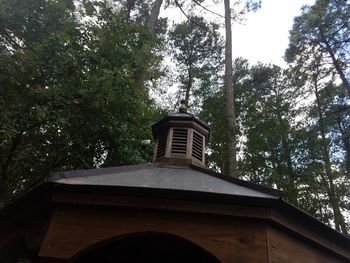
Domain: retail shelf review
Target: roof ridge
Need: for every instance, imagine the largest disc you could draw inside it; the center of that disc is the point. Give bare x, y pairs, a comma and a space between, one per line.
98, 171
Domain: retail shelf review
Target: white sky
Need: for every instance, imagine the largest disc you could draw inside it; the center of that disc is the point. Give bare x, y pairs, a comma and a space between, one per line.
264, 35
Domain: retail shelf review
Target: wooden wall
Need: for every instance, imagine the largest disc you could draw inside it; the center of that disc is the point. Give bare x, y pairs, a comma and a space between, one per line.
288, 249
75, 228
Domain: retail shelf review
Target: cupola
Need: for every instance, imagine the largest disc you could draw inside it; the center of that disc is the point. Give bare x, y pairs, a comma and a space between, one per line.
180, 139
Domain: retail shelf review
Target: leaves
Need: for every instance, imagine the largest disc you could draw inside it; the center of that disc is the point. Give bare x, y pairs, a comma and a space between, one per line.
73, 96
320, 38
69, 98
197, 49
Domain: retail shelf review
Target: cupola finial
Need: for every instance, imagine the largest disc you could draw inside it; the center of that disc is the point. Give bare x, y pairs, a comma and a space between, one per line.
183, 107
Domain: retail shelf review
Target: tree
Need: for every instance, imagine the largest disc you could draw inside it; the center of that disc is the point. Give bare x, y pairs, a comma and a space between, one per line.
144, 61
337, 116
323, 31
228, 82
197, 48
229, 102
328, 174
74, 101
318, 155
267, 121
212, 113
22, 63
319, 52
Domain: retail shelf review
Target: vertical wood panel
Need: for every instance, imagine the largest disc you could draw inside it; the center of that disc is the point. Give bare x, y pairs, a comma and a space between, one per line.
189, 143
168, 142
203, 157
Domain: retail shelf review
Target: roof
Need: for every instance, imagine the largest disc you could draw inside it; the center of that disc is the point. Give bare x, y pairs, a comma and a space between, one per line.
183, 116
158, 176
193, 181
156, 179
179, 116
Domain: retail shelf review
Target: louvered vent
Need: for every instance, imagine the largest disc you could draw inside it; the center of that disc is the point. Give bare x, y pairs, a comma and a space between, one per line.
180, 139
179, 143
161, 145
197, 146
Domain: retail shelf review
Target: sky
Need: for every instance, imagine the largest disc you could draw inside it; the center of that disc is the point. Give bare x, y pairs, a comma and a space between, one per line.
263, 36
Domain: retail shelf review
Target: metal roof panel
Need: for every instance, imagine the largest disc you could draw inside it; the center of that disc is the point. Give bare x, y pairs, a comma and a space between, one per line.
158, 177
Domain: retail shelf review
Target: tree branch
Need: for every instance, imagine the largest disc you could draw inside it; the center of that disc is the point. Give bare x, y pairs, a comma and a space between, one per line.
206, 9
188, 17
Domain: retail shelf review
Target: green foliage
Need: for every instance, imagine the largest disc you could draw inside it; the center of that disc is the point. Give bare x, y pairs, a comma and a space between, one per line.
197, 48
326, 21
319, 54
212, 113
277, 150
68, 95
320, 37
267, 125
73, 96
326, 151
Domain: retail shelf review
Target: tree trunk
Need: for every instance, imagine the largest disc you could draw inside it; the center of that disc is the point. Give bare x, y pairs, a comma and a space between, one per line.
329, 181
143, 60
188, 86
153, 17
293, 191
229, 103
287, 157
130, 4
336, 64
346, 143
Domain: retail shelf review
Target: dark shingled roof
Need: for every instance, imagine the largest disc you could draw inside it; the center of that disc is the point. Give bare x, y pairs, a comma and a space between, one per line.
157, 176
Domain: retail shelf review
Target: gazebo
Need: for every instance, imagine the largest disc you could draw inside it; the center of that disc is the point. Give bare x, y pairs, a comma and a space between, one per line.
171, 210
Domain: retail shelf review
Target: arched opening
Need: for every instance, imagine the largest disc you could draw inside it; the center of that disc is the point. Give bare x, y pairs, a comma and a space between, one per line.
148, 247
16, 250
